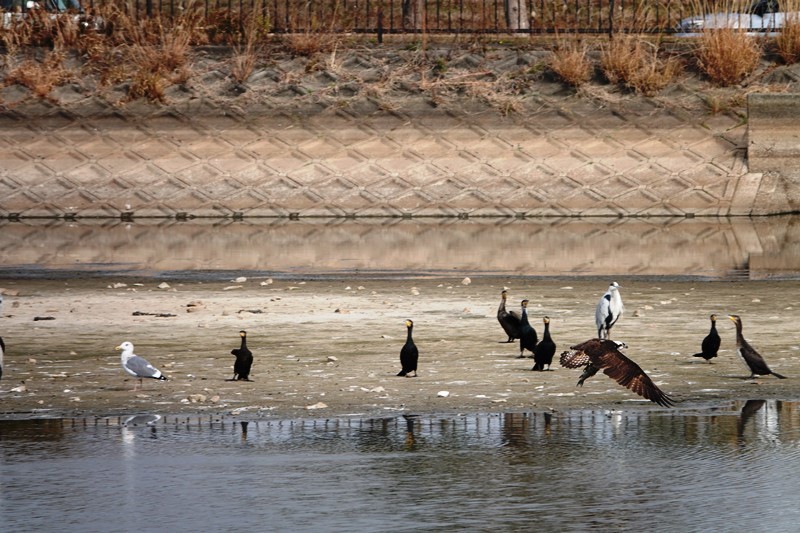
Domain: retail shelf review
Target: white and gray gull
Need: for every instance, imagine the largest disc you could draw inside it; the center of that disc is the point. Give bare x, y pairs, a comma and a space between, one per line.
136, 366
608, 311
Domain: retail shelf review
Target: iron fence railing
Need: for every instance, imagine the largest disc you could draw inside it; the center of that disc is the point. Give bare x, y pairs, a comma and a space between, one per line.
382, 17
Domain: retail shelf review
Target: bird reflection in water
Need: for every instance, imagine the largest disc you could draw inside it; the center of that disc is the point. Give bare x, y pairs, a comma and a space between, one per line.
750, 408
411, 441
142, 420
244, 431
515, 430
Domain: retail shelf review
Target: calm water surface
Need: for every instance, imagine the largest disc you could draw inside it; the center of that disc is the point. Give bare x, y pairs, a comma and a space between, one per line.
732, 467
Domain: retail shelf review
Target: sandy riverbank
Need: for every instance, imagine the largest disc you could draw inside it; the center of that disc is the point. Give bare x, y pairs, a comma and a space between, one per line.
336, 343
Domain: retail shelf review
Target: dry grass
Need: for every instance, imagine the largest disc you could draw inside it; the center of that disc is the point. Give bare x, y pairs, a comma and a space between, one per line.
787, 42
247, 48
41, 77
633, 62
728, 56
570, 62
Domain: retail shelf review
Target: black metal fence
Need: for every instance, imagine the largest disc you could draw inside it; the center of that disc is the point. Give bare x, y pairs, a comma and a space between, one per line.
381, 17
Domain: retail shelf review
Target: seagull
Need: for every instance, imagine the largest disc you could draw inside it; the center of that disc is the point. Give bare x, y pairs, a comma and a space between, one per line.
409, 354
604, 354
527, 335
510, 320
2, 351
545, 350
608, 311
751, 357
136, 366
710, 345
244, 360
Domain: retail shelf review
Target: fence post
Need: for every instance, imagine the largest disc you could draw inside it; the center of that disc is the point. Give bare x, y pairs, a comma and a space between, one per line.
380, 24
611, 19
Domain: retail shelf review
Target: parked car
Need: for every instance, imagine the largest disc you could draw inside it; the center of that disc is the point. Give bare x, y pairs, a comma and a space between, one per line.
12, 12
762, 16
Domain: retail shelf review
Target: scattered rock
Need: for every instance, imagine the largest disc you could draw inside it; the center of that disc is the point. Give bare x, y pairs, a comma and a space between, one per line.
254, 311
197, 398
37, 318
318, 405
342, 311
265, 283
240, 279
194, 306
159, 315
332, 358
117, 285
377, 389
443, 394
415, 291
32, 361
163, 285
232, 287
21, 388
466, 281
9, 292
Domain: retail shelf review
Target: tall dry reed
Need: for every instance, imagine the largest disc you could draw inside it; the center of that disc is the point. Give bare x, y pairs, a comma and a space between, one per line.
728, 56
635, 63
570, 62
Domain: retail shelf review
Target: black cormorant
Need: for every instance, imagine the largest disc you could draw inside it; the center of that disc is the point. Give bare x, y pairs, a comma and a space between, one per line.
510, 320
710, 344
527, 335
136, 366
409, 355
753, 359
608, 311
545, 350
244, 360
597, 354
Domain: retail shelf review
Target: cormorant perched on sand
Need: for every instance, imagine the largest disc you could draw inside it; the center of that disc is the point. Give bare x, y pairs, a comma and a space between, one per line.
510, 320
710, 344
244, 360
136, 366
753, 359
597, 354
2, 351
527, 335
544, 351
608, 311
409, 355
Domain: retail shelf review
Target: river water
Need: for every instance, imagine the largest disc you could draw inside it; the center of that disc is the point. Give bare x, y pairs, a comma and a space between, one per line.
733, 467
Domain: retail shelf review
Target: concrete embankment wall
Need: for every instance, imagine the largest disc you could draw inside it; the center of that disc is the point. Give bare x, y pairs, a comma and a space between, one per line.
774, 145
565, 156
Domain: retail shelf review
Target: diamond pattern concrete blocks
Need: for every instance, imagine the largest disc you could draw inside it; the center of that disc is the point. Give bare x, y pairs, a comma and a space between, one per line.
564, 157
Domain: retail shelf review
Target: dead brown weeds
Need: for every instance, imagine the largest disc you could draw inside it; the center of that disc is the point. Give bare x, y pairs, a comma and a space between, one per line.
788, 40
41, 77
570, 62
728, 56
633, 62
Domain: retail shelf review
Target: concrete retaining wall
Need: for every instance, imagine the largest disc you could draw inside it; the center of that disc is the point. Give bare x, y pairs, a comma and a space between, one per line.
566, 156
774, 144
